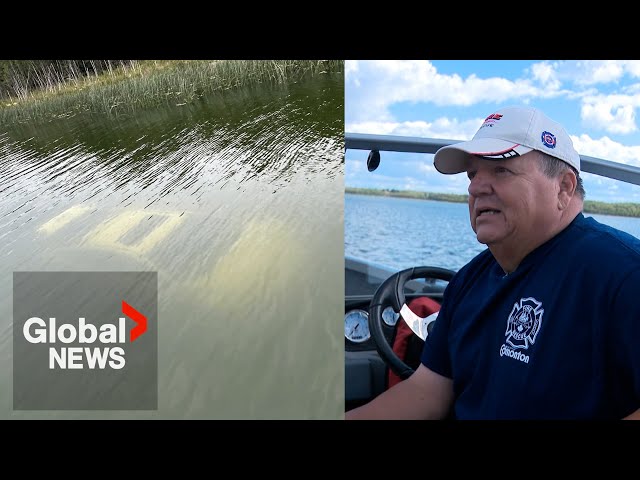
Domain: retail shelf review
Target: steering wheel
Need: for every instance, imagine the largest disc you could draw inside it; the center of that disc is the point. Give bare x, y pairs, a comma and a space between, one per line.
391, 292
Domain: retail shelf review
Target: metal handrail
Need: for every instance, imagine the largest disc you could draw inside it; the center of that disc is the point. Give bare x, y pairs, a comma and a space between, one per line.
396, 143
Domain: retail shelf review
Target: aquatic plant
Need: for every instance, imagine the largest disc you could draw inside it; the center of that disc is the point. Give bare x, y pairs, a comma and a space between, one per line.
126, 86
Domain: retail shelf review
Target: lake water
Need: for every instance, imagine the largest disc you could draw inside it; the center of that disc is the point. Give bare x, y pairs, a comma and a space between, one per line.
402, 233
236, 202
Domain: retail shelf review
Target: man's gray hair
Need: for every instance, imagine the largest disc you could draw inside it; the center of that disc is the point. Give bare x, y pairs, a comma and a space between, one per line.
553, 167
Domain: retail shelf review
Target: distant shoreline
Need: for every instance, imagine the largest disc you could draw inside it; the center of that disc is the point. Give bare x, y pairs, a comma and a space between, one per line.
590, 206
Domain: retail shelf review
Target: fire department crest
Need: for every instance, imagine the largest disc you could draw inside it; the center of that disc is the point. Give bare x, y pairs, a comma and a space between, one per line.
524, 323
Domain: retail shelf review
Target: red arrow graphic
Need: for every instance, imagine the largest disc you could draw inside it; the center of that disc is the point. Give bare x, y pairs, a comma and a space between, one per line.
137, 317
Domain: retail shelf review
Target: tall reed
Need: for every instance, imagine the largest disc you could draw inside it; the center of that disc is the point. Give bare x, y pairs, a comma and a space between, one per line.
126, 86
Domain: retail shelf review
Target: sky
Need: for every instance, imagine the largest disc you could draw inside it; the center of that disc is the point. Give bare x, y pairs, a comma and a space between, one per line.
596, 101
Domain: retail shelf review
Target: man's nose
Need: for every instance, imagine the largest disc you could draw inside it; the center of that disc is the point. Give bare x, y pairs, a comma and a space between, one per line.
480, 184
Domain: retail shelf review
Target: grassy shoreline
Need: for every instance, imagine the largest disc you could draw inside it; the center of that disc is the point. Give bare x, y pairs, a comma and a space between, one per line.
590, 206
149, 83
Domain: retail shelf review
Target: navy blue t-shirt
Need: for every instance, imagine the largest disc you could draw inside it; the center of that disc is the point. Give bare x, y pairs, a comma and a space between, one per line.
557, 338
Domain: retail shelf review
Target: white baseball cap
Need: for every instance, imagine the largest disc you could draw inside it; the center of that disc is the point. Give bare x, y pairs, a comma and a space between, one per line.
509, 132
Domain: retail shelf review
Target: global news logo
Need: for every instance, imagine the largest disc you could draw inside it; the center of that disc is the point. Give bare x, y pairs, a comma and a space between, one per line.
85, 340
36, 330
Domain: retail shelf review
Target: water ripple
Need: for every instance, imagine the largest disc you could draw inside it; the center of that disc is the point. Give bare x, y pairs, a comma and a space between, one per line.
236, 202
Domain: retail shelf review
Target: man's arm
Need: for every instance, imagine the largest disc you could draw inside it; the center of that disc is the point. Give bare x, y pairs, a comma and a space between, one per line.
425, 395
634, 416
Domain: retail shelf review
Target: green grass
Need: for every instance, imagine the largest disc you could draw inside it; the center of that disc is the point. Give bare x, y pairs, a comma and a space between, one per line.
145, 84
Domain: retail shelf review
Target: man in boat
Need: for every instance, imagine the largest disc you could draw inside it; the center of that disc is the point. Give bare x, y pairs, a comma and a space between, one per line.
543, 324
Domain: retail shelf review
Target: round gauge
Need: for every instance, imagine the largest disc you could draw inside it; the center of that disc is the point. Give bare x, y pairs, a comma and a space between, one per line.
356, 326
389, 316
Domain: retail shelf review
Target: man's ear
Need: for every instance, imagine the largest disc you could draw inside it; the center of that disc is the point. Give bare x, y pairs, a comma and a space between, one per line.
568, 182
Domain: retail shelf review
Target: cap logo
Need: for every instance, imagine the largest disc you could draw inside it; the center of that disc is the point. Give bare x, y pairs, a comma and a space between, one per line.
548, 139
491, 119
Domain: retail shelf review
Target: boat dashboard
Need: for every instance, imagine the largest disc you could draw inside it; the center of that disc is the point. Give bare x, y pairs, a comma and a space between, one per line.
366, 373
